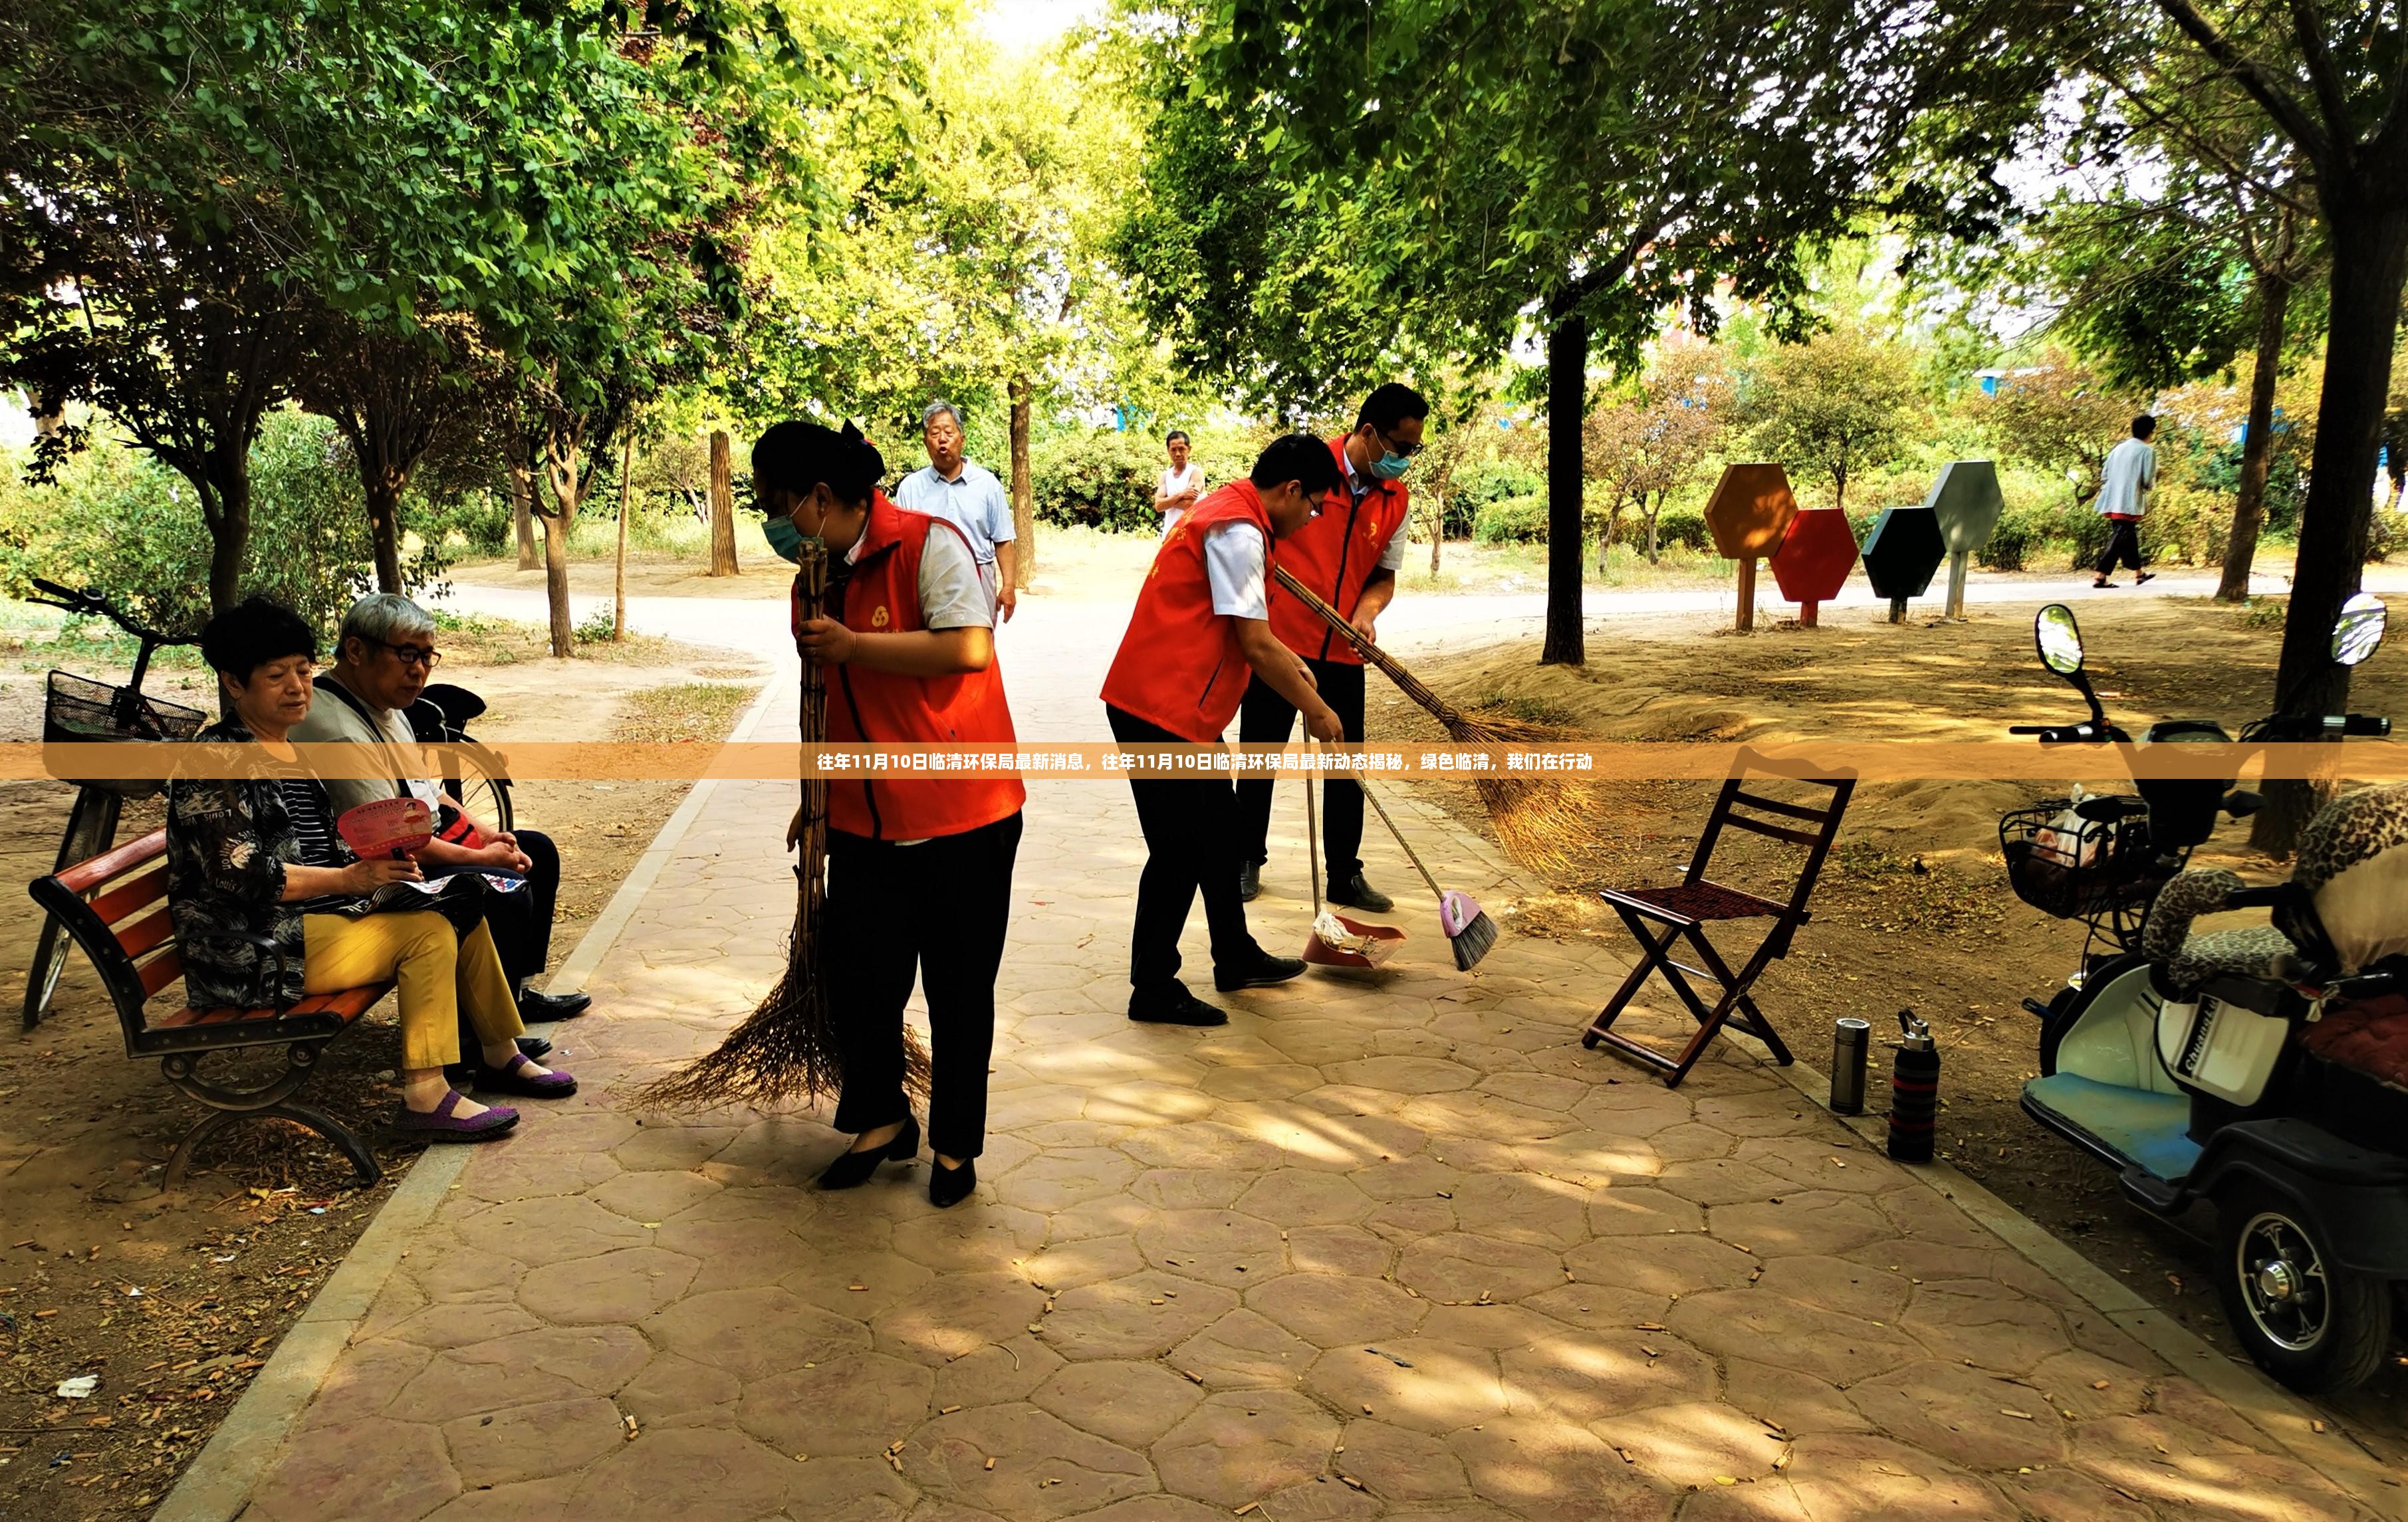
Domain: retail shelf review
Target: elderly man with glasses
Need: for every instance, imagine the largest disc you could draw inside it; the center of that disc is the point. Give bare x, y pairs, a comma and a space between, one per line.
969, 497
383, 659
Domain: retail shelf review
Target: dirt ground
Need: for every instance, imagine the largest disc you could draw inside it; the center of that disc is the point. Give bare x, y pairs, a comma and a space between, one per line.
175, 1300
1913, 910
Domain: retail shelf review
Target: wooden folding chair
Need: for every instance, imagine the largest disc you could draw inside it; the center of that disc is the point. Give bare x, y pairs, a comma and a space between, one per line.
1683, 910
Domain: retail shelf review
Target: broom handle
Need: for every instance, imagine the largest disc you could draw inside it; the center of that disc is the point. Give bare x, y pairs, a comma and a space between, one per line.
1311, 830
1378, 657
1399, 834
810, 579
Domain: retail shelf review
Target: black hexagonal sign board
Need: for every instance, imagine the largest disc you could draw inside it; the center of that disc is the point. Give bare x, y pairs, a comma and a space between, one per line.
1903, 550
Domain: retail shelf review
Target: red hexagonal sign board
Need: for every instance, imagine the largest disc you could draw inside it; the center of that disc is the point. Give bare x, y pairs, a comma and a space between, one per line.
1750, 511
1814, 559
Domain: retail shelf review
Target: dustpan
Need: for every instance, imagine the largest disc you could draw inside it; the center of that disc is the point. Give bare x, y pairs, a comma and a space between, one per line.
1337, 941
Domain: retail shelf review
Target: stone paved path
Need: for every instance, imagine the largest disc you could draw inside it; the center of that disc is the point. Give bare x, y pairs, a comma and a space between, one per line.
1402, 1252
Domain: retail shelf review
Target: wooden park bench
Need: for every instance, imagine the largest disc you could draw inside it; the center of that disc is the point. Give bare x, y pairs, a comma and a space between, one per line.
115, 906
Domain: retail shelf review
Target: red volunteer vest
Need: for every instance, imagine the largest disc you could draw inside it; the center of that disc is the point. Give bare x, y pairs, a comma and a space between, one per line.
882, 596
1334, 555
1179, 665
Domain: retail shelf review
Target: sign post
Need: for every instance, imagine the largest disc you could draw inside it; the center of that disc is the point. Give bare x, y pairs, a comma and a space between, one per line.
1966, 503
1748, 514
1814, 561
1901, 554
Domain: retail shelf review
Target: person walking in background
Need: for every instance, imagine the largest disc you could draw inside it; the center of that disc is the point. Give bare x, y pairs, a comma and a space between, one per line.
2123, 486
1348, 558
969, 497
1181, 486
1202, 621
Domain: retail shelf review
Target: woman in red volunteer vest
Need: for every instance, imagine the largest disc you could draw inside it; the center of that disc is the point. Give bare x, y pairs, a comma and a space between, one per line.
1201, 631
1348, 557
919, 868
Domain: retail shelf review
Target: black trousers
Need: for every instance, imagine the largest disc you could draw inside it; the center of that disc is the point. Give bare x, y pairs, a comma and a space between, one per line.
934, 913
521, 920
2123, 544
1190, 845
1266, 718
521, 923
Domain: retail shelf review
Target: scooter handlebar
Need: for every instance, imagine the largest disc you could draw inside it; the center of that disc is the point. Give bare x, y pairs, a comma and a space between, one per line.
2062, 734
2374, 726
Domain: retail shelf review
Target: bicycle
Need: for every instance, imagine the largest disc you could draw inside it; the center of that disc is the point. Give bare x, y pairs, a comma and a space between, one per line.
77, 709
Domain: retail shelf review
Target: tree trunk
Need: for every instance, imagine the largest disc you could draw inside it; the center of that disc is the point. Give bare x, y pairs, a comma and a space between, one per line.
560, 473
2257, 448
619, 582
229, 526
2370, 263
1024, 490
1652, 519
523, 511
383, 495
1437, 533
722, 506
1567, 402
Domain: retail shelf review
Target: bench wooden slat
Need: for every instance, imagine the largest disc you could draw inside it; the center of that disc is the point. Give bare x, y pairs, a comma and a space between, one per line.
348, 1004
162, 970
131, 898
146, 935
86, 875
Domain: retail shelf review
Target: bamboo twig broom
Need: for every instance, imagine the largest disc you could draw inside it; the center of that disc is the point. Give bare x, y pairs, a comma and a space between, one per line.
1536, 819
790, 1047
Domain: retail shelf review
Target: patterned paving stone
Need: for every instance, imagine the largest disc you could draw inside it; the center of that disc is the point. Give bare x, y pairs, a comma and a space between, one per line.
1872, 1477
1586, 1377
1463, 1266
1225, 1247
532, 1442
1245, 1350
1332, 1313
753, 1334
855, 1403
375, 1471
662, 1474
1128, 1403
1044, 1468
623, 1286
1814, 1339
1411, 1382
1541, 1471
1239, 1447
1398, 1464
1139, 1316
975, 1311
1970, 1418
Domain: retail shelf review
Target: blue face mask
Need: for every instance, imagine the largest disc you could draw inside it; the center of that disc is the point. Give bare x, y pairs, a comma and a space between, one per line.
1390, 467
786, 539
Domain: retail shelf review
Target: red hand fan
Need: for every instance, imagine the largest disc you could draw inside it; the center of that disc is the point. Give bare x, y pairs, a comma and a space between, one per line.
388, 827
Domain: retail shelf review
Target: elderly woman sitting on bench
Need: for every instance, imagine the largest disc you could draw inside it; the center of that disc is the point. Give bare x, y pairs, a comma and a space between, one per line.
270, 905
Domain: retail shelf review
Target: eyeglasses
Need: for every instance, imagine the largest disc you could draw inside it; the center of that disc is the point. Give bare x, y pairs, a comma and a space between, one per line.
413, 654
1403, 452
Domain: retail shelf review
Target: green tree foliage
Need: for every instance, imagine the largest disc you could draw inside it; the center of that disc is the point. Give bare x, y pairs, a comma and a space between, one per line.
1836, 406
1651, 435
1466, 167
2063, 416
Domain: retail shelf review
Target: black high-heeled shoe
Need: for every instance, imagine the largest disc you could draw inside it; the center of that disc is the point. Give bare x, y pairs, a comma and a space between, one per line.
952, 1186
852, 1170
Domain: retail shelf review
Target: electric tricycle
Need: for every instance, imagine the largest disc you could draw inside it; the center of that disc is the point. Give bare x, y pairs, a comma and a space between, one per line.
2261, 1072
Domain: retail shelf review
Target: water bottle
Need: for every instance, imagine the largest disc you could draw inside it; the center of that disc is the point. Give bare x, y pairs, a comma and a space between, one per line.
1851, 1042
1913, 1091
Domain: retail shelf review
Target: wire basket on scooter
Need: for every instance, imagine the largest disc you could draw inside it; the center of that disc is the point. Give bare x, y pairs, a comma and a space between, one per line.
79, 711
2074, 868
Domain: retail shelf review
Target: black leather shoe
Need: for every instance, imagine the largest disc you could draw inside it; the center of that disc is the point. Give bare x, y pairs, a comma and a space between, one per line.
852, 1170
1250, 882
1358, 895
536, 1008
1262, 974
1175, 1007
536, 1047
949, 1186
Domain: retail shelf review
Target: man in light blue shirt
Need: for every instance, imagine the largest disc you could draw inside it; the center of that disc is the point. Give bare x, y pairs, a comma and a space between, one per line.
966, 496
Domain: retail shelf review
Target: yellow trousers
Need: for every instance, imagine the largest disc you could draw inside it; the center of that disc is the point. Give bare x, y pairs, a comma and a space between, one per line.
440, 974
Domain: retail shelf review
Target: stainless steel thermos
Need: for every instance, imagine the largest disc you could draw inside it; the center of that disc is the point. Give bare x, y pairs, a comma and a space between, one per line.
1913, 1091
1852, 1042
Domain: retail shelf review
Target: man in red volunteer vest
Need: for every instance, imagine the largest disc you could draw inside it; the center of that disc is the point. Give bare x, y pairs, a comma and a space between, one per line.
919, 867
1348, 558
1201, 629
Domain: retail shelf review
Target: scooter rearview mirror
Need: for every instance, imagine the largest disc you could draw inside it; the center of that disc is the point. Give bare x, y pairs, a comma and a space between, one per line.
2360, 628
2059, 639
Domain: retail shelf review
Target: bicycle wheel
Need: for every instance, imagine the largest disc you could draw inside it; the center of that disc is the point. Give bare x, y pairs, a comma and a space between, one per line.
92, 829
477, 782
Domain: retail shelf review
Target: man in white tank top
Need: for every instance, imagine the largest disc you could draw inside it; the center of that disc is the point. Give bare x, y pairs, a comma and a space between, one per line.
1181, 486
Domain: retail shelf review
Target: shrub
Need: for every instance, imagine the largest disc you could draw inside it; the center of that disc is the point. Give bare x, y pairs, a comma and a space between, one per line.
2021, 531
1512, 520
1476, 484
597, 625
1105, 480
124, 525
1682, 527
2185, 524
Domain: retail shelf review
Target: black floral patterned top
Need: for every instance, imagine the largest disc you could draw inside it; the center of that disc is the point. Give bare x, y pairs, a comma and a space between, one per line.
228, 844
